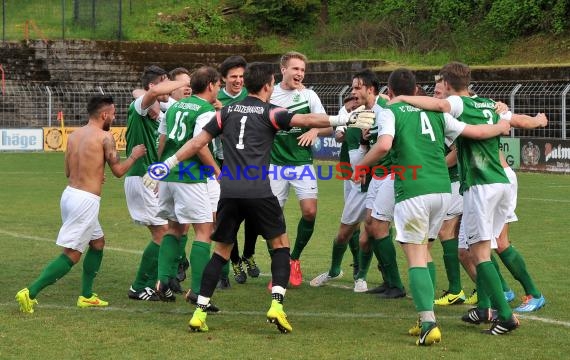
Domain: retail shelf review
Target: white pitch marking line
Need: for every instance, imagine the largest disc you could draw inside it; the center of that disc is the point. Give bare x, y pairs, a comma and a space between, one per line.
302, 314
261, 314
545, 200
37, 238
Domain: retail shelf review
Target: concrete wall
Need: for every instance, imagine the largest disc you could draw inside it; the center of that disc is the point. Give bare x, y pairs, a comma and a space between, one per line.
122, 62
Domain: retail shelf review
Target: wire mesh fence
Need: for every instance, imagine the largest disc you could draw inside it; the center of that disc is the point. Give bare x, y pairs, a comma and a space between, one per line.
53, 19
28, 105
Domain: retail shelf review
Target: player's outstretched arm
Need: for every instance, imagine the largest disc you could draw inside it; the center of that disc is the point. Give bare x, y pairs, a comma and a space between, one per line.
485, 131
423, 102
112, 157
529, 122
163, 88
360, 118
189, 149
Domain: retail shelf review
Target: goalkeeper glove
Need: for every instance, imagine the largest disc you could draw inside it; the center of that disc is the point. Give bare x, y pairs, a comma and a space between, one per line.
156, 173
360, 118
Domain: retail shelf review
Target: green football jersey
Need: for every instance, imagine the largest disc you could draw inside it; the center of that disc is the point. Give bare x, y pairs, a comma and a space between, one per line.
141, 129
381, 101
419, 143
453, 171
351, 142
478, 160
286, 150
386, 161
181, 121
227, 99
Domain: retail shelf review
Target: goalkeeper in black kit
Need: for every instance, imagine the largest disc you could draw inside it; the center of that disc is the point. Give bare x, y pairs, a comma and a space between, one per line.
248, 128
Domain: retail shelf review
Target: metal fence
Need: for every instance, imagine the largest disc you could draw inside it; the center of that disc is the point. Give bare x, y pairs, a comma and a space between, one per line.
56, 19
24, 105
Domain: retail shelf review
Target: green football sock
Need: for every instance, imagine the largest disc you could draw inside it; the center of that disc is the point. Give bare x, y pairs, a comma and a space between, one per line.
514, 262
431, 270
422, 291
504, 284
182, 254
384, 250
451, 261
492, 285
167, 255
199, 257
364, 260
91, 265
338, 251
304, 232
483, 299
50, 274
354, 246
148, 267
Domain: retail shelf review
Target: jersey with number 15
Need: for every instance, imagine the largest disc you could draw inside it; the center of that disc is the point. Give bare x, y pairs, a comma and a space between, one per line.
184, 120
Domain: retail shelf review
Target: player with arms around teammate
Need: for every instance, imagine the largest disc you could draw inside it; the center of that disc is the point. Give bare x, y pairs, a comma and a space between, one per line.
292, 153
183, 195
249, 128
88, 149
485, 187
416, 138
142, 128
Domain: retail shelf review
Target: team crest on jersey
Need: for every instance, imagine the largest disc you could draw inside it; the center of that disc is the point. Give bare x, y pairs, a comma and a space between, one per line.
530, 154
296, 97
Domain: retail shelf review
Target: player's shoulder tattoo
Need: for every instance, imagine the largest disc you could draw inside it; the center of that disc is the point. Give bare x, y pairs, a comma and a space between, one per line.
110, 149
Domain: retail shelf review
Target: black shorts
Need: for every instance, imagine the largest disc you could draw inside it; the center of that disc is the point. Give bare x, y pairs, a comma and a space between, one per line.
265, 213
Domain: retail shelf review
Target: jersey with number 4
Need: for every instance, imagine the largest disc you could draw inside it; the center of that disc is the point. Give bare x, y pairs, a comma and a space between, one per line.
286, 149
184, 120
478, 160
248, 128
419, 143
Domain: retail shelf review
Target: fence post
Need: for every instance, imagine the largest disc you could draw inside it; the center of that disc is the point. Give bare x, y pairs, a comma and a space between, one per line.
62, 19
49, 105
120, 20
563, 120
512, 99
341, 96
3, 20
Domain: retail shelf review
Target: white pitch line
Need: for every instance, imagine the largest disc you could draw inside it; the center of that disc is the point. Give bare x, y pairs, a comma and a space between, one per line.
37, 238
300, 314
545, 200
178, 311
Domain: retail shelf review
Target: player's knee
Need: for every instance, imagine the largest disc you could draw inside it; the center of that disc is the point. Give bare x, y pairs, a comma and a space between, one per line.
97, 244
310, 214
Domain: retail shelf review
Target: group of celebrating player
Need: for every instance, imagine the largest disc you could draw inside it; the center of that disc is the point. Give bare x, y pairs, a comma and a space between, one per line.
464, 191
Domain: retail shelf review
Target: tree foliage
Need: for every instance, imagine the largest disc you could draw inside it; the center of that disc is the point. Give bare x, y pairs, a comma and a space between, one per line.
425, 25
281, 17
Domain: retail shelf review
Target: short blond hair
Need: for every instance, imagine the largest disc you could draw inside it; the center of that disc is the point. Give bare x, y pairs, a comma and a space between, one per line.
292, 55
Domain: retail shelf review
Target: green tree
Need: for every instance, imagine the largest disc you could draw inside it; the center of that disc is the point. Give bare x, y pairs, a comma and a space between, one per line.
282, 17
